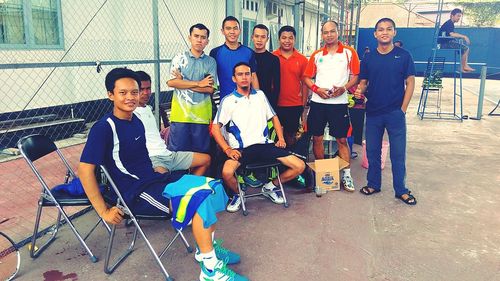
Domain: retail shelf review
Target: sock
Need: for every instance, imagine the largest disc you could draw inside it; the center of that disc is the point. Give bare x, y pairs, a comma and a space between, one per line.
347, 172
209, 260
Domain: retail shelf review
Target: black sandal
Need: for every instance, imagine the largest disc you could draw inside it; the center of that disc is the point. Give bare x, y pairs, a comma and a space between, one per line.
366, 190
410, 200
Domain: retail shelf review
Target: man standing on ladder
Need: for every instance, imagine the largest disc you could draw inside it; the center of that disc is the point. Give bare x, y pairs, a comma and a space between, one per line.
448, 30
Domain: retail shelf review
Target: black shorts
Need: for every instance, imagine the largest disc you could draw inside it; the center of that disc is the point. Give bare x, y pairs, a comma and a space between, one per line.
336, 115
262, 153
290, 118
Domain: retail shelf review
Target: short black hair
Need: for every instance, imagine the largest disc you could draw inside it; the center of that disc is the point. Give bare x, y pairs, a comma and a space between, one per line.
456, 11
261, 26
385, 20
143, 76
400, 42
119, 73
230, 18
327, 21
287, 28
240, 64
200, 26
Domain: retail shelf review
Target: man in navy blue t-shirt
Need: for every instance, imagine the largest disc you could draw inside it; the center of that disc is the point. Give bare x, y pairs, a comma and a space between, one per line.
384, 74
118, 142
229, 54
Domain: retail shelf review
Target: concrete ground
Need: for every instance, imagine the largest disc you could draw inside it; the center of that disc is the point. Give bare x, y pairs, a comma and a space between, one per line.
451, 234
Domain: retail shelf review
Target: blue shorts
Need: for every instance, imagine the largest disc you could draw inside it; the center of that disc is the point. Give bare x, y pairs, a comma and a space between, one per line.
189, 137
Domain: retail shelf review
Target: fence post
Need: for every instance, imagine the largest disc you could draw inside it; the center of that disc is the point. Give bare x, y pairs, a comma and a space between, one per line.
481, 92
156, 46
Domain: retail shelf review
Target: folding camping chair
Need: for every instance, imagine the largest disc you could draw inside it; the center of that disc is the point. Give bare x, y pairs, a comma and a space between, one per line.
272, 170
33, 148
117, 199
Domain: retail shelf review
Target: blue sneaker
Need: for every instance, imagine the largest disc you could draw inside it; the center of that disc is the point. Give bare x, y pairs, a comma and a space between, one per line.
225, 254
220, 273
252, 181
221, 253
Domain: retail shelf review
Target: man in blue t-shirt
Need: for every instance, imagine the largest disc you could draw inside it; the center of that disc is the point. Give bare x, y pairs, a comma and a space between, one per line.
384, 73
229, 54
118, 142
447, 30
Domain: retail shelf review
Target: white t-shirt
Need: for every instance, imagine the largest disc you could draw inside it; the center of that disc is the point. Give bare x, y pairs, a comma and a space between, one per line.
246, 117
155, 144
332, 70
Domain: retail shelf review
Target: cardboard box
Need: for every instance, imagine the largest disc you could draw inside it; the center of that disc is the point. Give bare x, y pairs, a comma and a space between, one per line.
327, 173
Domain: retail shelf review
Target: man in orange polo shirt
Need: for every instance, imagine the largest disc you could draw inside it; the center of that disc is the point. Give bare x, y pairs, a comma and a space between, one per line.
293, 92
335, 68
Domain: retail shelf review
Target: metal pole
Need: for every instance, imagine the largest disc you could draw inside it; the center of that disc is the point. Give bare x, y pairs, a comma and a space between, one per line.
341, 18
350, 23
481, 92
358, 15
296, 22
156, 44
317, 27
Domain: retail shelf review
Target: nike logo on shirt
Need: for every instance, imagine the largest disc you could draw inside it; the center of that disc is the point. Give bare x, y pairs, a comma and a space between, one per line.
138, 138
397, 57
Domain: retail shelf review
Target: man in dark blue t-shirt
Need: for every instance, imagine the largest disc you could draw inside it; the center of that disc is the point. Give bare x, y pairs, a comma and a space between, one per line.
447, 30
118, 142
229, 54
384, 74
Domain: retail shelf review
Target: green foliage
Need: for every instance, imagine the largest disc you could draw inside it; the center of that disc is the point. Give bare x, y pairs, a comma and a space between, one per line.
482, 13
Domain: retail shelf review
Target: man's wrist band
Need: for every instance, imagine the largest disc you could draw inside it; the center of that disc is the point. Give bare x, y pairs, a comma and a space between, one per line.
315, 88
225, 150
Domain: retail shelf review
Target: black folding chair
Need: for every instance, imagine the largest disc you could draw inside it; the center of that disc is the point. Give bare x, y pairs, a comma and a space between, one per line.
115, 198
33, 148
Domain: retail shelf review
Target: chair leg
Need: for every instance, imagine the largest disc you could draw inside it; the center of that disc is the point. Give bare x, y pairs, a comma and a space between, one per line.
285, 204
34, 250
153, 252
242, 196
184, 241
109, 269
92, 257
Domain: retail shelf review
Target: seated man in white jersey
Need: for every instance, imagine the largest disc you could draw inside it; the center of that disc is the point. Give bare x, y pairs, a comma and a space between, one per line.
163, 159
245, 113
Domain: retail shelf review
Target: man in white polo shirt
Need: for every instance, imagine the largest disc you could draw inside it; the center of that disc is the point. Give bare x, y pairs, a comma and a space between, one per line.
336, 68
244, 113
163, 159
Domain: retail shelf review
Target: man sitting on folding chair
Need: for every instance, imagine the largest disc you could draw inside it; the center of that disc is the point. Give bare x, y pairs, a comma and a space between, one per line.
246, 112
118, 142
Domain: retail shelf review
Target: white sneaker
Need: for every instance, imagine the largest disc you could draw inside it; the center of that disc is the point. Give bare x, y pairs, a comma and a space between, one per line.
274, 196
234, 205
348, 183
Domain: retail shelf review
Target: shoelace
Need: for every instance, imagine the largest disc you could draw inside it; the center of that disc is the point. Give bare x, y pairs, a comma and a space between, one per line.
226, 270
218, 246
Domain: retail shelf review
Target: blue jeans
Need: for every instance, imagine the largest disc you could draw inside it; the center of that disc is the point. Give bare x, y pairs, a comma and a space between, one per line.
395, 123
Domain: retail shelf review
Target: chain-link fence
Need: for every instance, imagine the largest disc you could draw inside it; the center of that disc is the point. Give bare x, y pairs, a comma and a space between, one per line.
55, 55
57, 88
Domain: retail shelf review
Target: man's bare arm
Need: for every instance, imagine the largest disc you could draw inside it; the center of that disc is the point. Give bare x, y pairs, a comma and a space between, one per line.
219, 139
202, 86
410, 87
86, 173
255, 81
